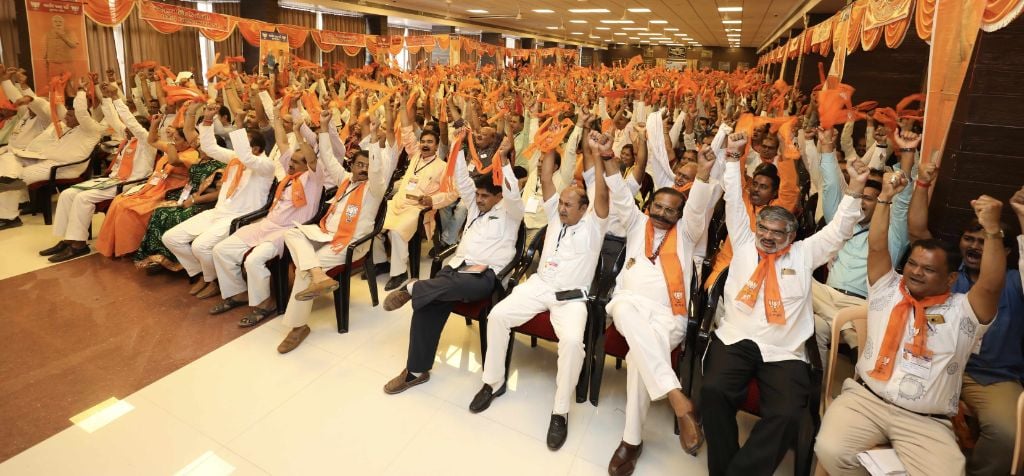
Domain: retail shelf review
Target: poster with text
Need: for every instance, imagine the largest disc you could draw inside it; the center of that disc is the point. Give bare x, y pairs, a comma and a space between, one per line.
274, 52
57, 41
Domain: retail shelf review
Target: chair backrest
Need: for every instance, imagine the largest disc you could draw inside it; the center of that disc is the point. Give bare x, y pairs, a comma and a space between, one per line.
858, 316
613, 255
711, 304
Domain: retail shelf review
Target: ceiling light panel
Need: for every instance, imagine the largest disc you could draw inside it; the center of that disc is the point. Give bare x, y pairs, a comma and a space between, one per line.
589, 10
543, 10
639, 10
476, 10
730, 9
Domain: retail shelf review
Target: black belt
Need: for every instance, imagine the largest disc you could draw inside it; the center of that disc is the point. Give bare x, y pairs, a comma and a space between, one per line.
848, 293
928, 415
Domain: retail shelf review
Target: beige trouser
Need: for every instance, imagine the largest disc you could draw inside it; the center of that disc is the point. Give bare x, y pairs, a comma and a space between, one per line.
827, 303
995, 406
858, 421
307, 254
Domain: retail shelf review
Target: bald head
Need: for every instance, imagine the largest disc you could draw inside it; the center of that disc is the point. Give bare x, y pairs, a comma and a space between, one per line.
572, 204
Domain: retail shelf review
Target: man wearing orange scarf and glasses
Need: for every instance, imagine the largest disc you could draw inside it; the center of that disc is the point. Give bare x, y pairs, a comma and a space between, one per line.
920, 336
768, 320
244, 189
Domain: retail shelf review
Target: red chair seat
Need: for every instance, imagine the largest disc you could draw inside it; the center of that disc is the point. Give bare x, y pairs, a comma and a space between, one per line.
472, 309
753, 403
103, 206
335, 271
539, 326
615, 345
58, 182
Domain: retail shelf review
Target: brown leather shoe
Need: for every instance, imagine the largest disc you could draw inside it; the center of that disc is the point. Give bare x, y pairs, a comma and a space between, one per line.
211, 290
316, 289
396, 299
623, 461
197, 286
294, 338
690, 431
402, 382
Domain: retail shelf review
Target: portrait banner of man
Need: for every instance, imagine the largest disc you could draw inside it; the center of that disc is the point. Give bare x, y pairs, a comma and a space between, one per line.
274, 52
57, 33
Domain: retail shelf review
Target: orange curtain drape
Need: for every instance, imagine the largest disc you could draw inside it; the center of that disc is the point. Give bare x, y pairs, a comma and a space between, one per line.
999, 13
349, 24
232, 45
421, 54
109, 13
179, 50
250, 30
296, 25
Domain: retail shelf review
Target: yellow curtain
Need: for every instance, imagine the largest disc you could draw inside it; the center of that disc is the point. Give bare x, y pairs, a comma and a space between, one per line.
178, 51
347, 24
233, 45
9, 34
304, 19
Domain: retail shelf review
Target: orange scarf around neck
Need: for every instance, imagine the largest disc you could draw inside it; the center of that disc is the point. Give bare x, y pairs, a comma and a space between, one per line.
239, 167
764, 275
353, 208
671, 266
298, 191
897, 326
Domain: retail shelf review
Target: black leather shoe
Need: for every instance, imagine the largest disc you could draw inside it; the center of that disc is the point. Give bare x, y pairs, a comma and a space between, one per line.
484, 397
54, 249
379, 269
558, 430
395, 282
69, 253
12, 223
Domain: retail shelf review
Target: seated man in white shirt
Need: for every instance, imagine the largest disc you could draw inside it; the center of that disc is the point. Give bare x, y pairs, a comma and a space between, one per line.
318, 247
487, 246
296, 200
80, 135
920, 336
572, 245
768, 319
649, 308
75, 206
244, 189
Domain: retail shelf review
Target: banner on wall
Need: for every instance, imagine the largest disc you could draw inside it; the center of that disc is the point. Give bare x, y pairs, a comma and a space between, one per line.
273, 52
57, 40
163, 13
342, 38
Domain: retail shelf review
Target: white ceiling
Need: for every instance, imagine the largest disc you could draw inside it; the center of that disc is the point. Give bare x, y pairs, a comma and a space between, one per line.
699, 20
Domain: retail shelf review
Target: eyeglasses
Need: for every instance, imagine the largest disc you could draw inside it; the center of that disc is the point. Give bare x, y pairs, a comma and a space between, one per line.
770, 232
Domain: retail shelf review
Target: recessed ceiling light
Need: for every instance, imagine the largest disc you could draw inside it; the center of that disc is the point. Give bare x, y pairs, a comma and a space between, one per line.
543, 10
639, 10
476, 10
602, 28
617, 22
634, 37
577, 21
659, 22
552, 27
649, 34
619, 33
734, 29
592, 37
733, 35
644, 41
662, 39
732, 22
634, 28
681, 34
730, 9
576, 33
589, 10
671, 29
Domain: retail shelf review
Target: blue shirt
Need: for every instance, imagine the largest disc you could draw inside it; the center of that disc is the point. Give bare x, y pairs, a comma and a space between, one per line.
1001, 357
849, 271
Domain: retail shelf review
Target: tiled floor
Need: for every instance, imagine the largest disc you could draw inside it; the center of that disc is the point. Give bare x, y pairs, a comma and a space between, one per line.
245, 409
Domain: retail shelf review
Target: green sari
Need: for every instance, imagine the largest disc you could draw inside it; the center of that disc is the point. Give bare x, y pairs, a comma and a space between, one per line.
165, 218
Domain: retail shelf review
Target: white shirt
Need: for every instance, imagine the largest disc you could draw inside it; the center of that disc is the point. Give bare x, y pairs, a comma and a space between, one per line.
616, 219
639, 276
145, 154
569, 257
488, 238
793, 272
258, 175
952, 334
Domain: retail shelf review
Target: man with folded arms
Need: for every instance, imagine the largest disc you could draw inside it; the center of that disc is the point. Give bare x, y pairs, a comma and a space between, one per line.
133, 160
353, 208
244, 189
649, 305
568, 260
488, 244
920, 336
768, 319
296, 200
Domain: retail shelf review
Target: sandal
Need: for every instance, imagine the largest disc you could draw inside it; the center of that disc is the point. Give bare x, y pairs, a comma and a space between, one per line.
225, 306
254, 317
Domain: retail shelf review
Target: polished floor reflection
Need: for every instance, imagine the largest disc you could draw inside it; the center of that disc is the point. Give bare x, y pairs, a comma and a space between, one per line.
238, 407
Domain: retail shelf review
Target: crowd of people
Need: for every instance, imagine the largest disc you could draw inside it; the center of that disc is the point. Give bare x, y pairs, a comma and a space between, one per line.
308, 156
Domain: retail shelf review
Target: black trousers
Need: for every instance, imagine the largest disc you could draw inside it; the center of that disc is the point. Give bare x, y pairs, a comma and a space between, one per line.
432, 301
784, 387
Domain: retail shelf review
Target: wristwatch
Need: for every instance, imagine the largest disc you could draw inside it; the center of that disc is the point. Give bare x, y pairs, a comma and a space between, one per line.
992, 236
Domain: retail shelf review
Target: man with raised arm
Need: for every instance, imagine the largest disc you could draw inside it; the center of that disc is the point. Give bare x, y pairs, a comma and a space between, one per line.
920, 334
767, 321
572, 245
487, 245
649, 307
